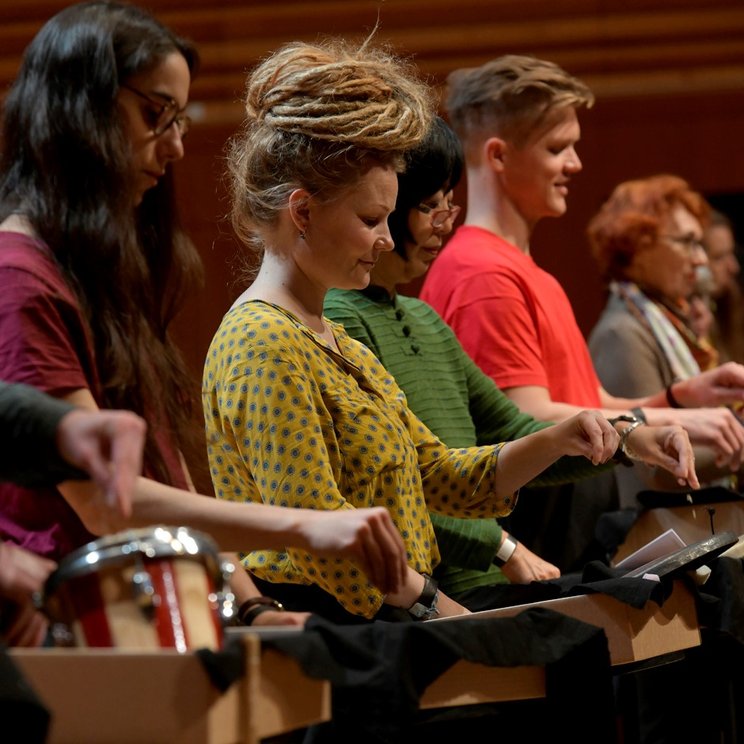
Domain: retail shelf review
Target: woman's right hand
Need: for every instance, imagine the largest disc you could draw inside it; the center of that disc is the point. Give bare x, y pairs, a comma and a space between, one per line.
366, 536
667, 447
108, 445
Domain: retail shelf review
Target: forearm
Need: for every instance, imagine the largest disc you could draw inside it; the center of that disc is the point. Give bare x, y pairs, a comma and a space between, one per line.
498, 419
588, 434
234, 526
467, 543
618, 405
522, 460
542, 409
569, 469
28, 437
537, 403
411, 591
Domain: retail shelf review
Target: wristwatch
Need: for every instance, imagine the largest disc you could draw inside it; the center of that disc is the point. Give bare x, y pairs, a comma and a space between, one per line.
425, 607
506, 550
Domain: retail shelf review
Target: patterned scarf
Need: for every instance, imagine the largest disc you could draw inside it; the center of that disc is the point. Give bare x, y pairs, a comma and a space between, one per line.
686, 352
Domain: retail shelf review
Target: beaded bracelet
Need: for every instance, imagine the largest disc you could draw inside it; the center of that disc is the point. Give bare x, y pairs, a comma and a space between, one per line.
254, 606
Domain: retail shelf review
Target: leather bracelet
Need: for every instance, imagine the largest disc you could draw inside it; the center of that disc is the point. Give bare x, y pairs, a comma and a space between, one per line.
425, 607
254, 606
506, 550
673, 402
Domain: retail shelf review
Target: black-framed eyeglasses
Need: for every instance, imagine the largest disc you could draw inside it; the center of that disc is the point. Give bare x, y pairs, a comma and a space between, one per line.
439, 216
164, 114
689, 242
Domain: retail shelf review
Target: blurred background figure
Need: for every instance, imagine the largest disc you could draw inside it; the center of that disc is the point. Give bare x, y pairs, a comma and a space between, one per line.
648, 241
726, 295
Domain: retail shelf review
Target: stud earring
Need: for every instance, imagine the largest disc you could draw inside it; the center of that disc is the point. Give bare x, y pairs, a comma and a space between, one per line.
302, 235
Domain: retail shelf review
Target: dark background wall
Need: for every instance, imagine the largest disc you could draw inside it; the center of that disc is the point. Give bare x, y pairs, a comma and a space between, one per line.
668, 75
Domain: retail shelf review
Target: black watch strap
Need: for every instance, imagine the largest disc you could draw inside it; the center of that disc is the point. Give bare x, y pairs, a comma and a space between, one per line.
625, 418
425, 607
639, 414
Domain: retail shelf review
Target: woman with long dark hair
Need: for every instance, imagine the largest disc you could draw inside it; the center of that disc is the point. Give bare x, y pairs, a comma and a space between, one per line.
93, 268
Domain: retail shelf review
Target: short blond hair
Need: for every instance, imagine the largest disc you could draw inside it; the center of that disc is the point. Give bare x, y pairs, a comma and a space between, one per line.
509, 97
318, 116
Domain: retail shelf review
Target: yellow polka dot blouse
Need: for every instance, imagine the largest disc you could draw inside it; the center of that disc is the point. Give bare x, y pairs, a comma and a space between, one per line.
292, 423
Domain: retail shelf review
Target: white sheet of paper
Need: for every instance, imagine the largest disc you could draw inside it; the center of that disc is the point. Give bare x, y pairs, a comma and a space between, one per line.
665, 544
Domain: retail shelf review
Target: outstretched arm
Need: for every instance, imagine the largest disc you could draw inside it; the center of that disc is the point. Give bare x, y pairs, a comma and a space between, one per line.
589, 434
718, 428
367, 537
720, 386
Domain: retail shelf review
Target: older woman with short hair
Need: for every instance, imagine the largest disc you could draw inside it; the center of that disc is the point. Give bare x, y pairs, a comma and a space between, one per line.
647, 239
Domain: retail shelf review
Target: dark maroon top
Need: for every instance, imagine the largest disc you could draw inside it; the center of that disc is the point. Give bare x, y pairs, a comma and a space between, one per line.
45, 342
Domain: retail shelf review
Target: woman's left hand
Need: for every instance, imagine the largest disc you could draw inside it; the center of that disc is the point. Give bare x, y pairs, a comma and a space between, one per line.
668, 447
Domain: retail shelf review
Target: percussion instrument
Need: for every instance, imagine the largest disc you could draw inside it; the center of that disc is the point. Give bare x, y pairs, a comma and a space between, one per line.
153, 588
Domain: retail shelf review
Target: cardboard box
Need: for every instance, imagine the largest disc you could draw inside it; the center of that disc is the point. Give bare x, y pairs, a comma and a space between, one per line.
110, 696
632, 634
464, 683
691, 523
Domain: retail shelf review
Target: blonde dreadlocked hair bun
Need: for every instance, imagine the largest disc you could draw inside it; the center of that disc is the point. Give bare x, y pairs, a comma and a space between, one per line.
319, 116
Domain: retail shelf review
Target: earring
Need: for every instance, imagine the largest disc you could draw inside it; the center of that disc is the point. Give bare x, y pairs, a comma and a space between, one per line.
302, 235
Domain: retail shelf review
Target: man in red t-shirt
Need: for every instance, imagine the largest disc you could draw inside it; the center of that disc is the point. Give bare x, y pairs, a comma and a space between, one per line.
518, 120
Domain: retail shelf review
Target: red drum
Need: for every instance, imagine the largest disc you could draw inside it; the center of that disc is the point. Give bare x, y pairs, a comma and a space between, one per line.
155, 588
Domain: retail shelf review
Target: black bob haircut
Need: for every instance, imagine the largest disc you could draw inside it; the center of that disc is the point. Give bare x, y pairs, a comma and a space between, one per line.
433, 165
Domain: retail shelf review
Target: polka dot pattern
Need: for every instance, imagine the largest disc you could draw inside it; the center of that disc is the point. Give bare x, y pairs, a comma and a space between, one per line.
291, 423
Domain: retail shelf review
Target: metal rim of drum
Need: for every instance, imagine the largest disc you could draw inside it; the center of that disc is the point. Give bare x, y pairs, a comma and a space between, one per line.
151, 542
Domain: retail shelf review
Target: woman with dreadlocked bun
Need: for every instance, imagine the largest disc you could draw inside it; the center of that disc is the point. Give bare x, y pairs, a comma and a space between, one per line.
298, 414
320, 116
